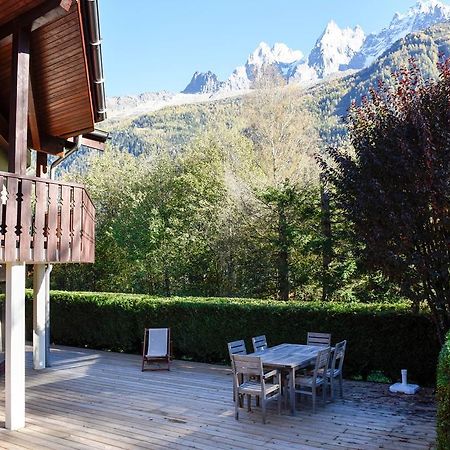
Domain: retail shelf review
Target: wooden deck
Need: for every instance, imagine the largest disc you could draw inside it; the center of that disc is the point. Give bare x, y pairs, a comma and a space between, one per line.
93, 399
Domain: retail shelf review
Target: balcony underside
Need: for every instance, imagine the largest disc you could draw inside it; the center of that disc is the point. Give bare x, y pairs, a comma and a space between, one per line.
44, 220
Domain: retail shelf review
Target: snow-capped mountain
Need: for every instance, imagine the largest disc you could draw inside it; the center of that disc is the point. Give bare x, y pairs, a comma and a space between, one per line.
422, 15
133, 105
335, 48
280, 57
335, 52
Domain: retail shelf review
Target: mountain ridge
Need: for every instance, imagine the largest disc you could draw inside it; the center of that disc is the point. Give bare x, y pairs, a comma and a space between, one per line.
171, 128
336, 53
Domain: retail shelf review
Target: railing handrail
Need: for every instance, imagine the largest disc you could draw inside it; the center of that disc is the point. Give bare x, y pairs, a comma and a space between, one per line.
46, 180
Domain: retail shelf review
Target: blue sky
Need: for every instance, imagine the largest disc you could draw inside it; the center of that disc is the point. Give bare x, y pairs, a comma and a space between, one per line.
153, 45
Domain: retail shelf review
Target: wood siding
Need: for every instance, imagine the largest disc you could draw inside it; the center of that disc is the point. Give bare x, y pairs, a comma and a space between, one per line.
59, 76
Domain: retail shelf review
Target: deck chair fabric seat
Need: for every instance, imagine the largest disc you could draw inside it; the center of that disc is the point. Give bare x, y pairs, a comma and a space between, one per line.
156, 348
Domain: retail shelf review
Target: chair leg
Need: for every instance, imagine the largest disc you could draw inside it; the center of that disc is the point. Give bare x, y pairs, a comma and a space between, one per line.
279, 402
313, 396
332, 388
324, 393
249, 403
236, 407
263, 405
285, 391
341, 387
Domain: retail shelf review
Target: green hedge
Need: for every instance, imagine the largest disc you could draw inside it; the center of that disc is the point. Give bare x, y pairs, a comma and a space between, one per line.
443, 397
381, 337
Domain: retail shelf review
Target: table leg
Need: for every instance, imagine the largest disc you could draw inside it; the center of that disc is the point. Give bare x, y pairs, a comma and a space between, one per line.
292, 391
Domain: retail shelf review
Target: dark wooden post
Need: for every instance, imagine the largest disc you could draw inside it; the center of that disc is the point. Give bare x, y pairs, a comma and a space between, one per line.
18, 113
41, 164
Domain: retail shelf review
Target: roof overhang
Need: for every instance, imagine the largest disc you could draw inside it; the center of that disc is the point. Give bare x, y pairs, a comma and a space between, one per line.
67, 96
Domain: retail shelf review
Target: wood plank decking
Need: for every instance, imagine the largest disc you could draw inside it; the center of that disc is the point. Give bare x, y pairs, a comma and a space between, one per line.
100, 400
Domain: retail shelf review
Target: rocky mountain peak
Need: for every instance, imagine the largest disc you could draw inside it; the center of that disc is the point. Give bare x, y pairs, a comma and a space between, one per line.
278, 53
203, 83
335, 48
336, 51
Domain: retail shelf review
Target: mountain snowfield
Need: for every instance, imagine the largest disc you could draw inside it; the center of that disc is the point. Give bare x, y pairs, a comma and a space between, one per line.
337, 52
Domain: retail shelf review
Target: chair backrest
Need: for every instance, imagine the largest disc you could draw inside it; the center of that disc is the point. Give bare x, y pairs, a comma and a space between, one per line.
158, 342
259, 343
236, 348
247, 365
322, 339
339, 355
323, 357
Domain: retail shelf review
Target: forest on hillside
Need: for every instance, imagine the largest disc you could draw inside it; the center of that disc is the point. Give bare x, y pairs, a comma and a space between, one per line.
226, 198
240, 211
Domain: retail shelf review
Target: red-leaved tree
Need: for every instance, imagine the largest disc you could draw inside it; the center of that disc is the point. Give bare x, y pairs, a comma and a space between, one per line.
393, 184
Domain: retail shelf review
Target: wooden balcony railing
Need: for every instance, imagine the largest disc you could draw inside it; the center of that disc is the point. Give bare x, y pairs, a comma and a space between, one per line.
44, 220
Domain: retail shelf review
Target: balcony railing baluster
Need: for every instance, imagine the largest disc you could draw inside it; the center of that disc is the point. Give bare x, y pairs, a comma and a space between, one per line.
44, 220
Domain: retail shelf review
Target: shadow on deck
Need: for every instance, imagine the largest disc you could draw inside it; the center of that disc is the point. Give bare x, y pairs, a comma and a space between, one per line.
94, 399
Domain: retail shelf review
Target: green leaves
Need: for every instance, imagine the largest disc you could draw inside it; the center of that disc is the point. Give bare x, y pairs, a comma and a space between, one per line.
395, 189
443, 397
202, 326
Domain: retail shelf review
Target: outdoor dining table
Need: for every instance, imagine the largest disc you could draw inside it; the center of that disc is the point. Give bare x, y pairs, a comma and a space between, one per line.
289, 357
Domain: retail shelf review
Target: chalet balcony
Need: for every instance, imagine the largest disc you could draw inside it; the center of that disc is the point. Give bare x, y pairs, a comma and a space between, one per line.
43, 220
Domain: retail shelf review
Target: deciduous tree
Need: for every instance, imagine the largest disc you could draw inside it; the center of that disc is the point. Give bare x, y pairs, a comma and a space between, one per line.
393, 184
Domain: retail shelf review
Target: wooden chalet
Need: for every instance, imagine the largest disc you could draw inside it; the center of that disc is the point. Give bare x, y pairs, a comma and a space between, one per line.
51, 97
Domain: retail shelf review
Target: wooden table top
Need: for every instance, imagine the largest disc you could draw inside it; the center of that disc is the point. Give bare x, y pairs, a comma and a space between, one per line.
290, 356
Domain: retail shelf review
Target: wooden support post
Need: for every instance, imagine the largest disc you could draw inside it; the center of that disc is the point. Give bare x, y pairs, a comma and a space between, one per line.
15, 346
18, 112
15, 272
39, 299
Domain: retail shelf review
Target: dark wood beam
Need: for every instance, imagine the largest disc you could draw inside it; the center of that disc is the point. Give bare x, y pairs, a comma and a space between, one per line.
39, 142
4, 127
35, 139
40, 15
18, 112
54, 145
3, 133
41, 164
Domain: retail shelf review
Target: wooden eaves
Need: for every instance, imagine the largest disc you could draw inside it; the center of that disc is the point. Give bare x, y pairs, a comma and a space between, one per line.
65, 95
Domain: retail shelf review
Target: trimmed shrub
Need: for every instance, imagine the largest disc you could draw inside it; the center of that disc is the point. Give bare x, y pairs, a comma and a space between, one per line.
381, 337
443, 397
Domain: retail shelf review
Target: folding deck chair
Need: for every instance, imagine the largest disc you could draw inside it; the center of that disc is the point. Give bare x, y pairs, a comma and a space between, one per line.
157, 348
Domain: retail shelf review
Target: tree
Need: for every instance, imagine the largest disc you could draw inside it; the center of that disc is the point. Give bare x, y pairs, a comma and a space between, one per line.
284, 138
393, 184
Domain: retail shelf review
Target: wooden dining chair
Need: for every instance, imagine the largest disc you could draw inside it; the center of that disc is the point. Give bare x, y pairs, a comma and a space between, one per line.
156, 349
250, 380
334, 372
236, 348
309, 384
320, 339
259, 343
